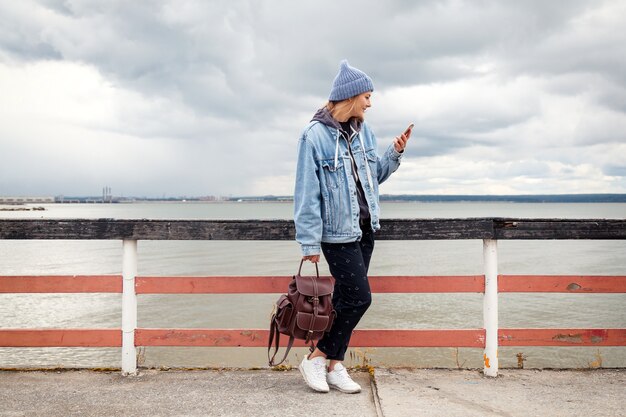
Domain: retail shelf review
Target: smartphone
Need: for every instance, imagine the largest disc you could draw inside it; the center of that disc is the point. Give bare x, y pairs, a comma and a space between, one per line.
408, 129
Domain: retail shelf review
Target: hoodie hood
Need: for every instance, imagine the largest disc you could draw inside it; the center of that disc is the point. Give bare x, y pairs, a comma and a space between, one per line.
324, 116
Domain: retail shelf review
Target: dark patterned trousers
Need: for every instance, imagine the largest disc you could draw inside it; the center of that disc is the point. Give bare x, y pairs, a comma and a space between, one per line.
348, 264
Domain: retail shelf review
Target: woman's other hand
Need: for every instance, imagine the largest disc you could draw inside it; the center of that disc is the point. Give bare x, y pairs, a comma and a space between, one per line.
313, 258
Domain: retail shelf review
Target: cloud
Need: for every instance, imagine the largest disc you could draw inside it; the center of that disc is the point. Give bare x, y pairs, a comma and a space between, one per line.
450, 175
193, 97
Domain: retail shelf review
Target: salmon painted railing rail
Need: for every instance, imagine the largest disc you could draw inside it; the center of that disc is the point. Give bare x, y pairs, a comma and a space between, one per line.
489, 230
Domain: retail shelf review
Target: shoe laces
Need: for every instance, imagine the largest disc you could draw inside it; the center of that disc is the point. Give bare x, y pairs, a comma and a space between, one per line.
319, 368
342, 374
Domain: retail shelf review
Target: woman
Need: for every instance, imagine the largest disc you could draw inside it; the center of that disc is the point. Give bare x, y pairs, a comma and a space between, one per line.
336, 213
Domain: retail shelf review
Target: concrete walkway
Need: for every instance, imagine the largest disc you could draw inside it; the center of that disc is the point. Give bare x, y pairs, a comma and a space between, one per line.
273, 393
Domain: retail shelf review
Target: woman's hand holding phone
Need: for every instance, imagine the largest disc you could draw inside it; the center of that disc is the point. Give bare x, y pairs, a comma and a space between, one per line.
399, 142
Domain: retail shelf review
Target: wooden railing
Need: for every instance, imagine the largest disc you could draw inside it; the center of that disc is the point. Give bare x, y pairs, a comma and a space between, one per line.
129, 336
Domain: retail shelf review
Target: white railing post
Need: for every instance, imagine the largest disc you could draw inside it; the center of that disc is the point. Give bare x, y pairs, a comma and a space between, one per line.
129, 308
490, 307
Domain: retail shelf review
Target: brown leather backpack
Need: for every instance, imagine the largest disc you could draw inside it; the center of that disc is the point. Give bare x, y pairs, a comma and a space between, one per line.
305, 312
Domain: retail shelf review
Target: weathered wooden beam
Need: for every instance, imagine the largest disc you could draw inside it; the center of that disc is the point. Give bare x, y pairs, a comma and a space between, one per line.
562, 337
116, 229
528, 229
61, 284
60, 337
278, 284
392, 229
433, 229
572, 284
360, 338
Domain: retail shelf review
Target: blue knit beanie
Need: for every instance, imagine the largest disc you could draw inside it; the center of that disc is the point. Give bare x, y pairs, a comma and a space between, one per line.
349, 82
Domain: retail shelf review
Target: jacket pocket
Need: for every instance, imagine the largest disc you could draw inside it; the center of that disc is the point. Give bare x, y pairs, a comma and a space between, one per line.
372, 160
333, 174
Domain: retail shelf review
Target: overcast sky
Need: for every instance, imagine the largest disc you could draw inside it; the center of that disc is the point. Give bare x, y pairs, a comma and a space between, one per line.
191, 98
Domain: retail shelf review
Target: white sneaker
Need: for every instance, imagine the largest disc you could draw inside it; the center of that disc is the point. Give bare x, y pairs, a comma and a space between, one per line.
339, 379
314, 373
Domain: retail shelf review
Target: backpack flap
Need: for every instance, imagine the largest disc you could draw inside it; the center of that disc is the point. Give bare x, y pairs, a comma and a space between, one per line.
283, 313
283, 301
314, 286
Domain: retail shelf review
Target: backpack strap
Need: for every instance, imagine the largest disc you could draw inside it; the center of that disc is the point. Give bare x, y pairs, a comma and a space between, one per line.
275, 334
317, 271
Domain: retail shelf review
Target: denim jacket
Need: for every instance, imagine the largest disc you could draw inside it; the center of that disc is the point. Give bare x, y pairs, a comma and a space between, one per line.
325, 199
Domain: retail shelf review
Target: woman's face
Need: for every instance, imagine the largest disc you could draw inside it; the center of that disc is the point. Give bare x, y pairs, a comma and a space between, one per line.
361, 105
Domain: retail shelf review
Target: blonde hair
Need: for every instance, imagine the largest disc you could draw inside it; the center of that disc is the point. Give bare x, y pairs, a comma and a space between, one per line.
341, 110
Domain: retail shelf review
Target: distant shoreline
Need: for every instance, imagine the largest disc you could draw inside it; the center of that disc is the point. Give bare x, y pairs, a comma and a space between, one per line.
430, 198
529, 198
21, 208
